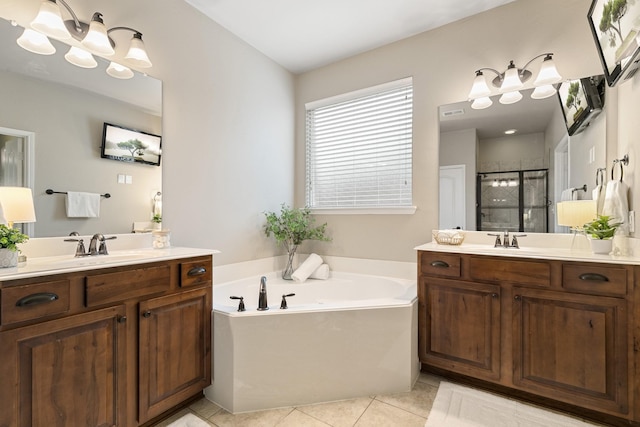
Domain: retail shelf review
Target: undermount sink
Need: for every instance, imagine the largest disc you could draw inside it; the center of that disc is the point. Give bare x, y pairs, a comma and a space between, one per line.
69, 261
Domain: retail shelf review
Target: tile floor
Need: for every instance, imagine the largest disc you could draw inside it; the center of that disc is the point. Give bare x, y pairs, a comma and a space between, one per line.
394, 410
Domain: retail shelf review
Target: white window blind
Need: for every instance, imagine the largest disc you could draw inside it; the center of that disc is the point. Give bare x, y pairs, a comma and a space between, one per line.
359, 148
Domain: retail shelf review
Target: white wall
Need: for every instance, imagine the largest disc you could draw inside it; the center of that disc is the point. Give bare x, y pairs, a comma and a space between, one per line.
442, 63
512, 153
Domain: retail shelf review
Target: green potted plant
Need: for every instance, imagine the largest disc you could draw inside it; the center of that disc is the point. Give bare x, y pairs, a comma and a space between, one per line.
291, 228
9, 240
601, 230
157, 221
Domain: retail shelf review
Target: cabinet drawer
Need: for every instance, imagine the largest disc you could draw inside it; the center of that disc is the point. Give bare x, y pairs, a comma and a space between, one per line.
28, 302
138, 282
508, 271
595, 279
194, 273
440, 264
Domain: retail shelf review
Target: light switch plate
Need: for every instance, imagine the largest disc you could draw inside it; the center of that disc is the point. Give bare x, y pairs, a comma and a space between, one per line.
121, 178
128, 179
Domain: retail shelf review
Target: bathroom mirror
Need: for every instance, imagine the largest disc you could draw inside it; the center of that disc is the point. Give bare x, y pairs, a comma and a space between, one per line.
62, 108
474, 142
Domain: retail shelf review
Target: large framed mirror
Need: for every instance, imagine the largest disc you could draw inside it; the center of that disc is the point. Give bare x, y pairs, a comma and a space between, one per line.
505, 167
56, 111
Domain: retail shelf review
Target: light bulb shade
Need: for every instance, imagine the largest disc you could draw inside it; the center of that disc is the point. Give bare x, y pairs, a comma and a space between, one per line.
576, 213
548, 73
35, 42
481, 103
544, 91
119, 71
49, 22
97, 41
17, 205
80, 58
510, 97
511, 80
137, 55
480, 89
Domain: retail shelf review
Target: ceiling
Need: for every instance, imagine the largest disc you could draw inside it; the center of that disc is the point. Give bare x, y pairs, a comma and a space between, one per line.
302, 35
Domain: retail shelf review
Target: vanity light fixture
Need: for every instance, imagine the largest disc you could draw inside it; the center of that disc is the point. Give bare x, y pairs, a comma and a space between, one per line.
93, 38
512, 80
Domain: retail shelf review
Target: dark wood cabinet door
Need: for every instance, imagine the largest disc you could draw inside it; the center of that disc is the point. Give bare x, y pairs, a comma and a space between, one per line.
67, 372
572, 348
460, 326
175, 350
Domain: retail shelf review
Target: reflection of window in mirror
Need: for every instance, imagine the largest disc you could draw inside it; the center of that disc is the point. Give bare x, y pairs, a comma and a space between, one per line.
16, 165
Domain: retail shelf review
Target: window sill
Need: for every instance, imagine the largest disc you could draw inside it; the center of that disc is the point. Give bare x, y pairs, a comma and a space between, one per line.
405, 210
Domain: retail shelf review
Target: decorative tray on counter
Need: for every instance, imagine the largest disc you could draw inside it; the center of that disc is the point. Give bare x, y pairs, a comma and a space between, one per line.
448, 237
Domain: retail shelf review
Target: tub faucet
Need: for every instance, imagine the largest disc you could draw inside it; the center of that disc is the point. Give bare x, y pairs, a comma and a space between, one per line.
262, 296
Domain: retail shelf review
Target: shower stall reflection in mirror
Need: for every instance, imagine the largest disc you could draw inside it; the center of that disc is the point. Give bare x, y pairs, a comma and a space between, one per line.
17, 163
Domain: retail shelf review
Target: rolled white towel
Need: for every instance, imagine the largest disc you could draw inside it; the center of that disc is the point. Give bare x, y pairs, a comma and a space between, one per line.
321, 273
306, 268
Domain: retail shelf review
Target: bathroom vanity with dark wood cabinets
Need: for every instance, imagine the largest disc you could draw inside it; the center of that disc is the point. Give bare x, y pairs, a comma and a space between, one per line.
561, 333
116, 346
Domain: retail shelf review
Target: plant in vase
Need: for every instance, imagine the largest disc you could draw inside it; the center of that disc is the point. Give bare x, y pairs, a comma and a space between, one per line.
601, 230
157, 221
9, 239
291, 228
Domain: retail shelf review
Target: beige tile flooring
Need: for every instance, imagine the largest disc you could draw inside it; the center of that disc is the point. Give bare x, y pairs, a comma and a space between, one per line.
394, 410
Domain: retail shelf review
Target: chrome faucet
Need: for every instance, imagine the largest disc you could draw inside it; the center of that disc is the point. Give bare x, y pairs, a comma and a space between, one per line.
262, 296
505, 240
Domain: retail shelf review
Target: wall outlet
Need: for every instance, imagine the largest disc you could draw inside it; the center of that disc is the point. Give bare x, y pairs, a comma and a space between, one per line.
632, 221
128, 179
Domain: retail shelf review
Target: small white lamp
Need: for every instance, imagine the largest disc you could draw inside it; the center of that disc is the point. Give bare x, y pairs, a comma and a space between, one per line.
575, 214
17, 205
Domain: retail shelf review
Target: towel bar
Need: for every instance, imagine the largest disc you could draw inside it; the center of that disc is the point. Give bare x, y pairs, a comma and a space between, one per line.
50, 191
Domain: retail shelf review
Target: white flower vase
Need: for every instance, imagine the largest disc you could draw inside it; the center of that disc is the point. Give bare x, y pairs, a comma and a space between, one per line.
601, 246
8, 258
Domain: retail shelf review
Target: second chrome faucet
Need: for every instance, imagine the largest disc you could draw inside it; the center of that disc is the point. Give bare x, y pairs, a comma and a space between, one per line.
262, 295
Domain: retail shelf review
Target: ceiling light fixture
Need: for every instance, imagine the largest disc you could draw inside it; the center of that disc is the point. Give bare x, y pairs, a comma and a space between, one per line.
512, 80
93, 37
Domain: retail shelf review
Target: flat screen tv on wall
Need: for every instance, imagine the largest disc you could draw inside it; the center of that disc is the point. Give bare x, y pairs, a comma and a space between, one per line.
582, 101
129, 145
615, 25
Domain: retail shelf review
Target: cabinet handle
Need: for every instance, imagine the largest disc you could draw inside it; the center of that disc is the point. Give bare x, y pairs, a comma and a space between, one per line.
35, 299
517, 297
593, 277
197, 271
439, 264
494, 295
122, 319
146, 314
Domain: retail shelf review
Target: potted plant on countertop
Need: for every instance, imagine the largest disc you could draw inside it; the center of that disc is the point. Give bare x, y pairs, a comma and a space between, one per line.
157, 221
9, 239
601, 230
290, 228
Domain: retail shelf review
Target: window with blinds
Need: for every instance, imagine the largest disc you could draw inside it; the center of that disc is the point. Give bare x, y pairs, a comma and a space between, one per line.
359, 148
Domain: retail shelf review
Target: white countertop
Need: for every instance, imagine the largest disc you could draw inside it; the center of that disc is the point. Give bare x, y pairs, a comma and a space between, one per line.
42, 259
542, 246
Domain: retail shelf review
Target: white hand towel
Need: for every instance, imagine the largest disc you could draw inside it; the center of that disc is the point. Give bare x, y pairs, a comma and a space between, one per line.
83, 205
306, 268
598, 195
616, 205
321, 273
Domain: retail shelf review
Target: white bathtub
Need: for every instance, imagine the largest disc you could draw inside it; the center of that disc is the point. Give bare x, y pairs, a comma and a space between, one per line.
350, 336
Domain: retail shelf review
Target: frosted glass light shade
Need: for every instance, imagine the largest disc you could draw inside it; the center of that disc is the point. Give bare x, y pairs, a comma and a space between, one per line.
510, 97
119, 71
511, 80
80, 58
17, 205
548, 73
576, 213
96, 41
480, 89
481, 103
35, 42
137, 55
542, 92
49, 22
